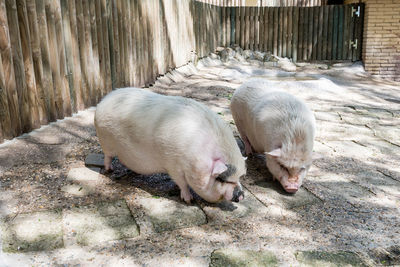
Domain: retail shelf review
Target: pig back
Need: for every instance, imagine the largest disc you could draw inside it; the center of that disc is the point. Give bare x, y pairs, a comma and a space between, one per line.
270, 116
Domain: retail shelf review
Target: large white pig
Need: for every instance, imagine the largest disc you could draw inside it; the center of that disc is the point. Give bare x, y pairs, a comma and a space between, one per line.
278, 124
152, 133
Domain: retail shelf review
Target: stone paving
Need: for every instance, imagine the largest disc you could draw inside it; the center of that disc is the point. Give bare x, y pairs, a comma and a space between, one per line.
346, 214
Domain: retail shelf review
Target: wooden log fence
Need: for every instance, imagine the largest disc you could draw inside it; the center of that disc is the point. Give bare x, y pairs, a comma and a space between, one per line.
61, 56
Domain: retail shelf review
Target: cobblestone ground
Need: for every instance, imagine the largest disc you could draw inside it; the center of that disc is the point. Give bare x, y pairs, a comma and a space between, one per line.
59, 208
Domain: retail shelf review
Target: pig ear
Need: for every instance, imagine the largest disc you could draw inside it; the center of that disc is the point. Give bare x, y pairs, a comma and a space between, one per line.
218, 168
276, 153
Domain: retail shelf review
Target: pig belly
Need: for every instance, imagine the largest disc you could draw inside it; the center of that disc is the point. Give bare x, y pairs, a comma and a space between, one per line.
140, 161
135, 156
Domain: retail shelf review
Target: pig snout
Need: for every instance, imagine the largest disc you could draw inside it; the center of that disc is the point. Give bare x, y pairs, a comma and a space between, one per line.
292, 185
238, 194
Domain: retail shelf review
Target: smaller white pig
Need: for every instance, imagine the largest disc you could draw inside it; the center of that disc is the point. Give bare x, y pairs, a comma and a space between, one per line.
152, 133
278, 124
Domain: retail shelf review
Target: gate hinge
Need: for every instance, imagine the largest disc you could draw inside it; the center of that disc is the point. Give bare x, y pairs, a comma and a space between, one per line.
353, 44
355, 11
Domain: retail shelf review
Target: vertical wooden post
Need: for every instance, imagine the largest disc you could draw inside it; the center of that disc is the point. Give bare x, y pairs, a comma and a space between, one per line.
9, 75
261, 29
83, 52
320, 31
100, 49
330, 32
54, 59
106, 23
129, 41
237, 25
66, 95
310, 33
266, 26
302, 33
252, 28
23, 99
295, 32
315, 33
290, 32
114, 45
141, 44
47, 78
285, 31
28, 63
5, 121
95, 54
276, 32
37, 59
325, 33
125, 41
242, 27
335, 32
340, 31
90, 71
138, 53
67, 40
247, 32
76, 62
120, 41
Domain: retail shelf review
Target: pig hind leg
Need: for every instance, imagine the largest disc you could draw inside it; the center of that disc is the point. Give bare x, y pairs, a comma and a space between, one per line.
108, 154
183, 186
247, 146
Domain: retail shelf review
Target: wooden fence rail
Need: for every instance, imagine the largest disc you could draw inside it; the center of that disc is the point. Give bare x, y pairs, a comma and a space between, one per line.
61, 56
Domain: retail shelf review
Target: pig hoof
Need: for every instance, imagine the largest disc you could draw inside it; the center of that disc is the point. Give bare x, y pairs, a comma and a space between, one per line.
109, 168
186, 196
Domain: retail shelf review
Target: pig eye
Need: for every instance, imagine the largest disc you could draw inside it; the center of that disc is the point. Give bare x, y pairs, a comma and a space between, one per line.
219, 179
282, 167
302, 169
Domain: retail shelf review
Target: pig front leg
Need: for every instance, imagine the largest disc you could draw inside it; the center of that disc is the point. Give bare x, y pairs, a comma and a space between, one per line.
184, 187
107, 163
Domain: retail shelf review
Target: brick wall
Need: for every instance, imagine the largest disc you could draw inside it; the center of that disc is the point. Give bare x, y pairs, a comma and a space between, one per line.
381, 42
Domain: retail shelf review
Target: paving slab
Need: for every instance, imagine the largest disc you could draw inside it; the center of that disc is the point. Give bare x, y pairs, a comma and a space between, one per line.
167, 215
94, 160
36, 231
242, 258
98, 223
77, 190
392, 136
329, 259
83, 175
327, 131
